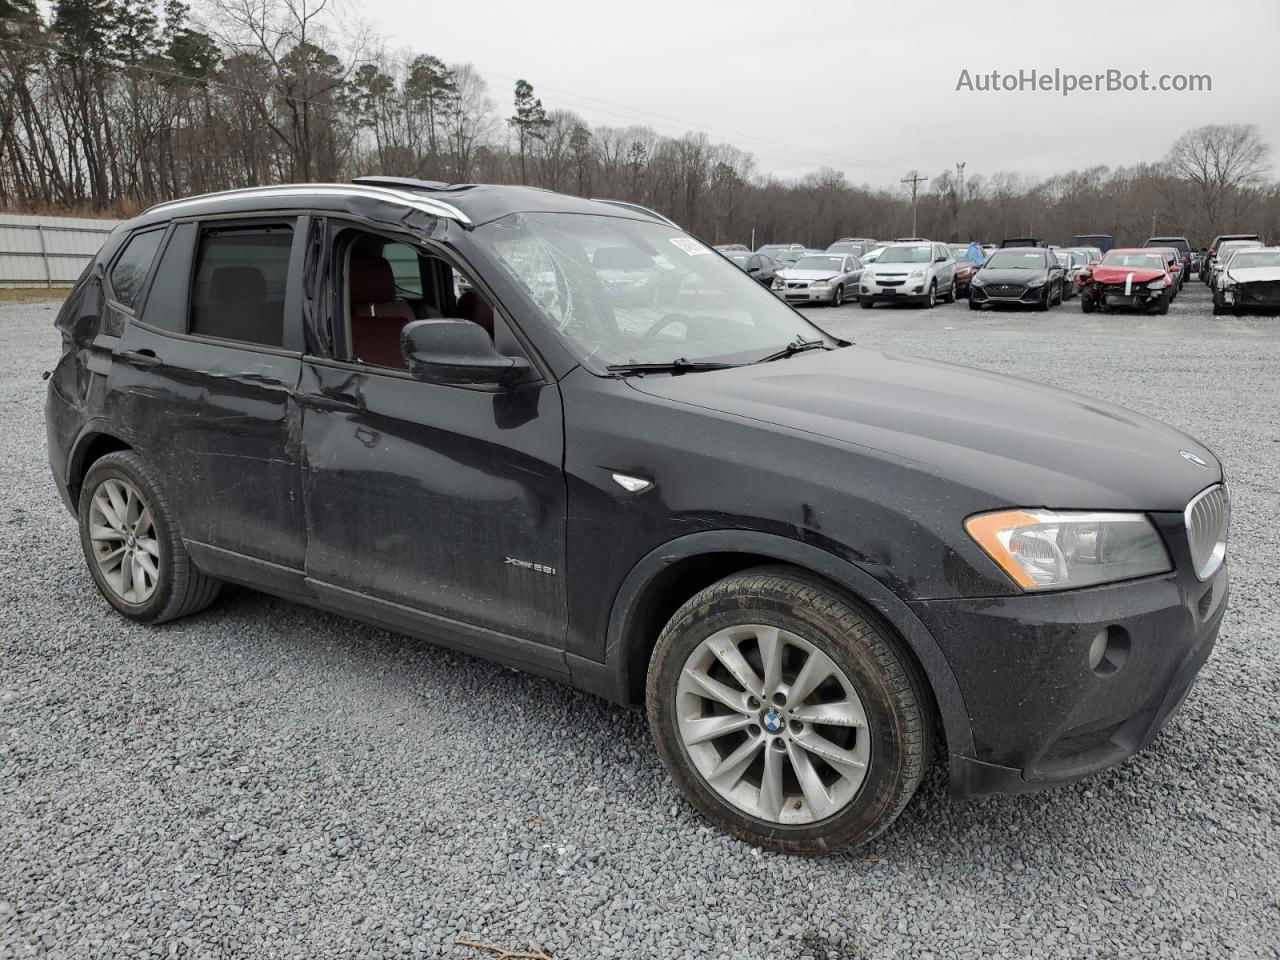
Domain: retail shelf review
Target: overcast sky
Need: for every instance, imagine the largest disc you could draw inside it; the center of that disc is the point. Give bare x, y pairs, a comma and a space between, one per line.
867, 88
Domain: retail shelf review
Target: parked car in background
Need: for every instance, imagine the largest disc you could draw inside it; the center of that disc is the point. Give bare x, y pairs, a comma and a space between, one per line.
1250, 280
855, 247
1183, 246
1018, 276
1173, 259
775, 249
756, 265
1103, 241
828, 278
788, 257
989, 248
727, 247
873, 254
1090, 254
1206, 259
1073, 261
1222, 249
910, 272
1133, 278
1022, 242
969, 257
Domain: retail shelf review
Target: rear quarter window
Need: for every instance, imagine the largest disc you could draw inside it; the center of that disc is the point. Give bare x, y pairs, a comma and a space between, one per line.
129, 274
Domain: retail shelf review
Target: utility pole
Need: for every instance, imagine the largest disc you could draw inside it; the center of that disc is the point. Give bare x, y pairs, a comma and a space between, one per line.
959, 194
913, 177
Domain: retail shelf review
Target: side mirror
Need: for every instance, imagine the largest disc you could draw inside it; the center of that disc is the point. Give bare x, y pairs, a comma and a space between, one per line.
456, 352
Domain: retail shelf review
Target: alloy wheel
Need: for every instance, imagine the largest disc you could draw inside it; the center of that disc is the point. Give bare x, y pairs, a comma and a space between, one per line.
772, 724
125, 546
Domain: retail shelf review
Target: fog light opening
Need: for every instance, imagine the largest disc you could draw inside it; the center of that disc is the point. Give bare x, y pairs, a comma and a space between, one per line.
1109, 651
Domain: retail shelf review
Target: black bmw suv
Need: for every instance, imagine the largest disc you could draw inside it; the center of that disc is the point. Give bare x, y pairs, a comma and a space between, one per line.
566, 436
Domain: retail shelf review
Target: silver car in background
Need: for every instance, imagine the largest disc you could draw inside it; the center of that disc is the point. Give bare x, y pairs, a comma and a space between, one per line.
1073, 261
915, 272
830, 278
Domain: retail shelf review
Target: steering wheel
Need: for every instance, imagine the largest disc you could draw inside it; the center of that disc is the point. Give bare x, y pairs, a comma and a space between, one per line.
665, 322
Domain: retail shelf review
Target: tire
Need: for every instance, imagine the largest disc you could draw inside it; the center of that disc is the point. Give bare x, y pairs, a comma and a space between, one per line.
1163, 306
932, 299
974, 304
1058, 300
837, 298
1087, 305
1043, 304
177, 587
874, 683
865, 304
1219, 307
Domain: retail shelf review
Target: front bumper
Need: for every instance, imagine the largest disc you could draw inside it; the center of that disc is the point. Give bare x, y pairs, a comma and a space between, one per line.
1114, 296
1018, 294
1040, 713
1264, 294
806, 294
902, 291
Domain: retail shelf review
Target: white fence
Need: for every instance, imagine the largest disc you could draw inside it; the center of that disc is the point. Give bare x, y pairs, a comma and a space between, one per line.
47, 251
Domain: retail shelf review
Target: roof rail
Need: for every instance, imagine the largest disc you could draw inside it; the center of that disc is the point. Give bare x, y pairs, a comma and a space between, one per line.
418, 202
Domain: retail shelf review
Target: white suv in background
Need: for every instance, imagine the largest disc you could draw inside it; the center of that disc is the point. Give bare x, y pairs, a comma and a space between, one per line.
913, 272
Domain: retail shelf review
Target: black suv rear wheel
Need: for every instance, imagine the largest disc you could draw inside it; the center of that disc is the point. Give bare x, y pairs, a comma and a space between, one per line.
787, 716
132, 546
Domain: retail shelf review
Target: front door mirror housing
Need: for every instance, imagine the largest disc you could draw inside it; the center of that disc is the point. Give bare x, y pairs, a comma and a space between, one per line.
457, 353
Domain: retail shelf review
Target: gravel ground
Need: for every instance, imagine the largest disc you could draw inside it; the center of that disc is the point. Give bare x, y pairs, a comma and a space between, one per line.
264, 780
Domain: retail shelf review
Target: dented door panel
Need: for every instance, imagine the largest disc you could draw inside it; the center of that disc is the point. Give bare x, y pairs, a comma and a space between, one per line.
446, 500
219, 424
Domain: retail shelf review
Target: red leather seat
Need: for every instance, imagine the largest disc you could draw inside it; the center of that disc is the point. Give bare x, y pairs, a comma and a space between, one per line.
376, 315
473, 307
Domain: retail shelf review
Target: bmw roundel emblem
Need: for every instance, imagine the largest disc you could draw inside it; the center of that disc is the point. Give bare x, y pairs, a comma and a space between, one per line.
1191, 457
773, 721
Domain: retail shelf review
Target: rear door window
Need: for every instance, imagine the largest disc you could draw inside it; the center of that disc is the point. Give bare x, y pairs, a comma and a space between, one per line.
241, 276
129, 274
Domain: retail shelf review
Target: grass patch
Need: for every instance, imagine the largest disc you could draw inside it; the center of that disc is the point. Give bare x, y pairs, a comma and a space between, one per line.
32, 294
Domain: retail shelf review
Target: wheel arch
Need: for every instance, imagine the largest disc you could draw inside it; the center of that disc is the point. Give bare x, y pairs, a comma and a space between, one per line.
667, 576
94, 443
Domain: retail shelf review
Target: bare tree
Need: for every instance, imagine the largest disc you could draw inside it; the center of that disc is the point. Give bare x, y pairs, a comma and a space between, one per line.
1222, 162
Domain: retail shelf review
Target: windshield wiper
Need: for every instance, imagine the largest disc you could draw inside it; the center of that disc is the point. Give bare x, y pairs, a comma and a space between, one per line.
798, 345
678, 365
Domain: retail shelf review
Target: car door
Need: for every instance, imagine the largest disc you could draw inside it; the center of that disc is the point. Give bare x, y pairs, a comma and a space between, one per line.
202, 386
945, 265
437, 509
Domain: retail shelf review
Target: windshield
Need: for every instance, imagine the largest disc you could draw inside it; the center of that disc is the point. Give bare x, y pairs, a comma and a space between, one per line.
845, 248
1252, 258
1227, 249
1009, 260
624, 291
827, 264
1147, 261
906, 255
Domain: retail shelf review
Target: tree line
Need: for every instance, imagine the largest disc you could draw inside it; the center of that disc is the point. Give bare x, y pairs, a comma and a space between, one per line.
107, 106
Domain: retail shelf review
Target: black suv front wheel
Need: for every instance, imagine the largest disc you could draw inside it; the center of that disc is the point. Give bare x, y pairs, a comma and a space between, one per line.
131, 543
787, 716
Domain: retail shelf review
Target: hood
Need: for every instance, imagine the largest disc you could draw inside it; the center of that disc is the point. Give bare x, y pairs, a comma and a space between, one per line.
1120, 274
1020, 443
1253, 274
791, 273
1011, 275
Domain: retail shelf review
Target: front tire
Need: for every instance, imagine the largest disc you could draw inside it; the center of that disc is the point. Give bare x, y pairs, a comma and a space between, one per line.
932, 300
866, 303
786, 715
132, 545
837, 298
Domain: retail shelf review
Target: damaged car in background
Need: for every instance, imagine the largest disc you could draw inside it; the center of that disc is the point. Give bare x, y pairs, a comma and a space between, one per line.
612, 459
1132, 279
1250, 281
826, 278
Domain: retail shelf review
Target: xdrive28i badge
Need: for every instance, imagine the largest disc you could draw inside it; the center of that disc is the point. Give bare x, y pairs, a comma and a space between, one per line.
1188, 455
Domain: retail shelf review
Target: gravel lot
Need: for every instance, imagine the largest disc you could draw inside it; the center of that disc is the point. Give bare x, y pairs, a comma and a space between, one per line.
264, 780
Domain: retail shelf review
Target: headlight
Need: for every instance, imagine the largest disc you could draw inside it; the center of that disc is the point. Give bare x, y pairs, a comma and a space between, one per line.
1046, 550
778, 283
916, 275
1157, 285
820, 284
1037, 282
977, 281
1228, 280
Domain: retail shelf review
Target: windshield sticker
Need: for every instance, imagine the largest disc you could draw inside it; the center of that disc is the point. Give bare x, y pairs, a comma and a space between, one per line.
690, 246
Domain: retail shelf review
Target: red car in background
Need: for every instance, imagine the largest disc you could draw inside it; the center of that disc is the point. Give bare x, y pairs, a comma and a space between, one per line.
1135, 278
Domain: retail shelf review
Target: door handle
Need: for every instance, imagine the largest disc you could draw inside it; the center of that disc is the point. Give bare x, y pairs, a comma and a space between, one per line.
140, 358
336, 402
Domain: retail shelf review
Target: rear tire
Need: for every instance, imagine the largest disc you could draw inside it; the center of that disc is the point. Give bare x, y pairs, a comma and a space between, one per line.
755, 775
132, 544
